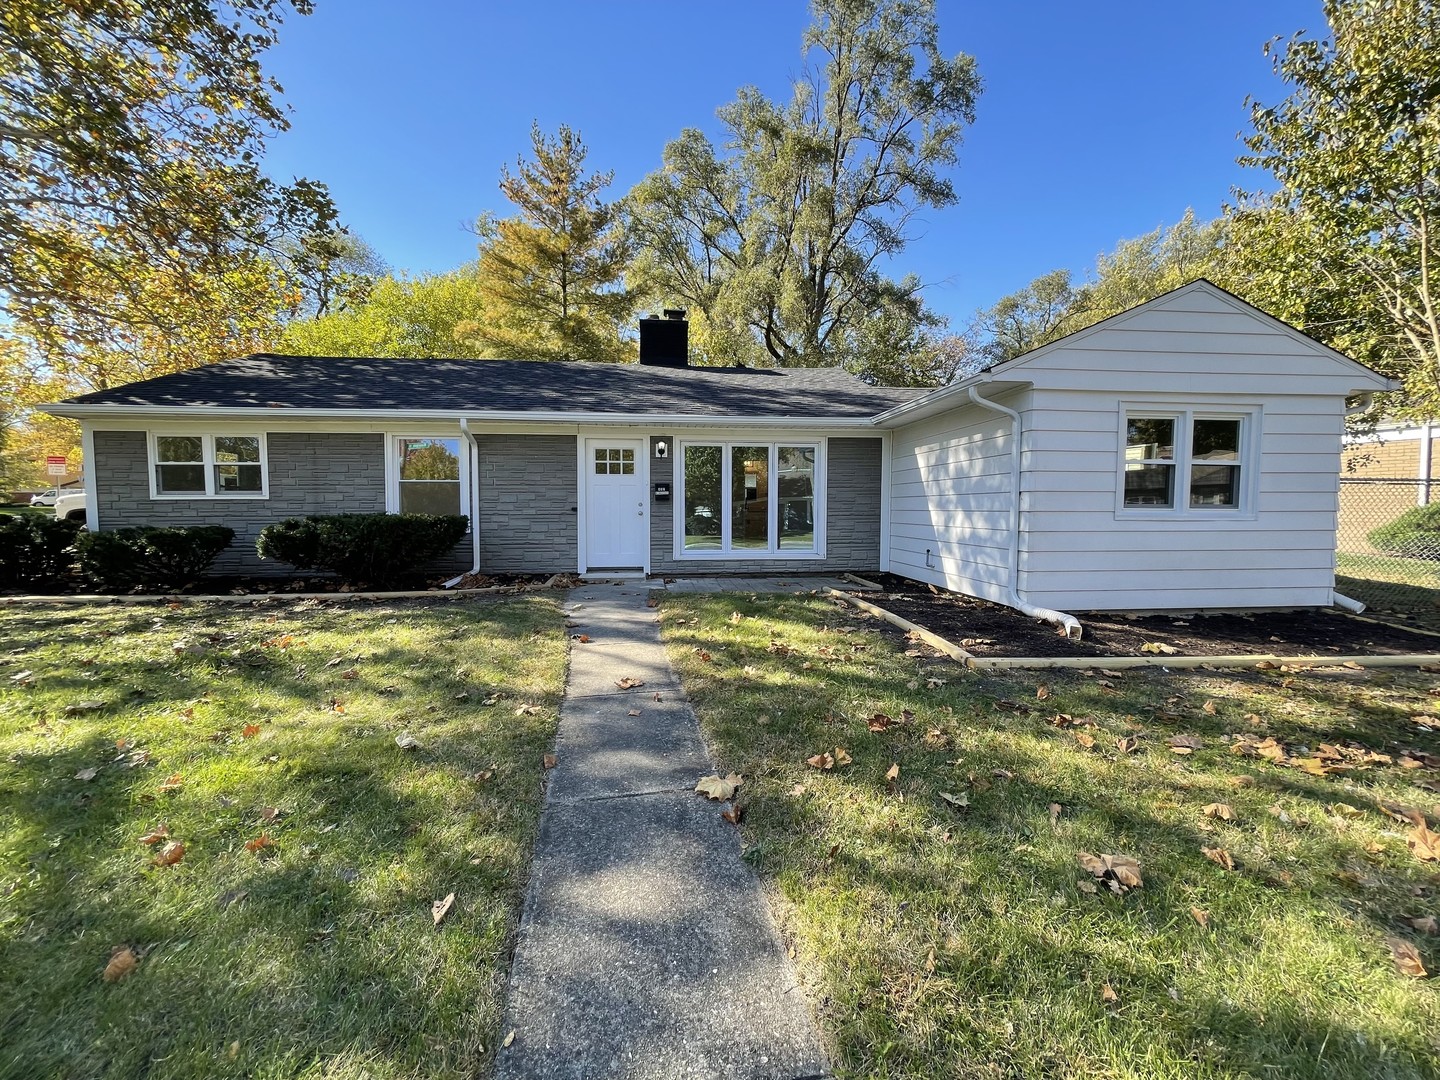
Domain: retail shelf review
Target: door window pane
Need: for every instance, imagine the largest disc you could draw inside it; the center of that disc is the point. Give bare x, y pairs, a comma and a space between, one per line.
795, 488
750, 497
702, 498
1149, 485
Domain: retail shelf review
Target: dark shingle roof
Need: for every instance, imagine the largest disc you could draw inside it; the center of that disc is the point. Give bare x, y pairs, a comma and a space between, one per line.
267, 380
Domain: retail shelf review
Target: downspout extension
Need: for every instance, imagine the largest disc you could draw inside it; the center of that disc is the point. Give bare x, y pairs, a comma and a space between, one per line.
1347, 602
1068, 623
474, 472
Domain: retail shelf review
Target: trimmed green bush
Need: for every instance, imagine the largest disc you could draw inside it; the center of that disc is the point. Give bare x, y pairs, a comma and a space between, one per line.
1414, 534
363, 549
149, 557
35, 550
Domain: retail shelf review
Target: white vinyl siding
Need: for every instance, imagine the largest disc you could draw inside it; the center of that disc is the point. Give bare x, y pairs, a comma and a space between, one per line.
950, 494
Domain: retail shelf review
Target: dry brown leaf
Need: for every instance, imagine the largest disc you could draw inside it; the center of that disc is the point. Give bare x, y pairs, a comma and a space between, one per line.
1084, 738
86, 774
440, 908
249, 731
959, 802
1219, 810
1159, 647
155, 835
172, 783
549, 761
880, 722
717, 787
1209, 707
1127, 744
627, 683
820, 761
1042, 692
1184, 744
123, 961
406, 741
1407, 814
259, 844
1426, 924
1055, 809
170, 854
1406, 958
1120, 872
893, 773
1423, 843
733, 814
269, 814
1201, 917
1219, 856
841, 757
1108, 995
583, 639
510, 1038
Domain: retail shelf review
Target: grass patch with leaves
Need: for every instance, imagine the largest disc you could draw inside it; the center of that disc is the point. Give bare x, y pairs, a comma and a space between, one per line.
292, 934
933, 885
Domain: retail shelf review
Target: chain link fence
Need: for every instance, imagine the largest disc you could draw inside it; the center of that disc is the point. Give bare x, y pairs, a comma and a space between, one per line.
1383, 555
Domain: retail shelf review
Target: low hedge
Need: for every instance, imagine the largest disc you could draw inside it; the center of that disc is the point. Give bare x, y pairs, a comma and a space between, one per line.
363, 549
36, 551
1414, 534
147, 557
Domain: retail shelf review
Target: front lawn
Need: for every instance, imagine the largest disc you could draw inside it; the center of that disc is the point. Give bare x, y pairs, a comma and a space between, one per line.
293, 935
942, 919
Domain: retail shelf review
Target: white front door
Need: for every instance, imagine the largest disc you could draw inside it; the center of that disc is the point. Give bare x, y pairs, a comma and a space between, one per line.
617, 519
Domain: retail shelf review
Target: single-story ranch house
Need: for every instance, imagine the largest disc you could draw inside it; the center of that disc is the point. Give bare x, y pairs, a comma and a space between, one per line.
1183, 454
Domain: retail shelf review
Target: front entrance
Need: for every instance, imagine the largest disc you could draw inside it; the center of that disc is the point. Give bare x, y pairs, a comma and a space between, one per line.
617, 522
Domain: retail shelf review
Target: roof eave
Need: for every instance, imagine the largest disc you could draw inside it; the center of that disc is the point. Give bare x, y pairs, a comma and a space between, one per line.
90, 411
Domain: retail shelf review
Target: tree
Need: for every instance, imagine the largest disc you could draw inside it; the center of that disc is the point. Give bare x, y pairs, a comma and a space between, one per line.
333, 268
130, 139
1352, 236
432, 317
551, 279
787, 233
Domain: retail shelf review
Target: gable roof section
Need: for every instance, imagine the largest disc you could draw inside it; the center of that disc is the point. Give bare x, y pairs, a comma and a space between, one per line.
512, 387
1368, 378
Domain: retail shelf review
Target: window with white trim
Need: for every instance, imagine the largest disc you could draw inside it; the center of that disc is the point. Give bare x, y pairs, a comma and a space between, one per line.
427, 476
748, 499
1185, 460
208, 467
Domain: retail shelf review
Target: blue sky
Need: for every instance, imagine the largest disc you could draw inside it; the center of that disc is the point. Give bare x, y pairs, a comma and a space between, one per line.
1097, 122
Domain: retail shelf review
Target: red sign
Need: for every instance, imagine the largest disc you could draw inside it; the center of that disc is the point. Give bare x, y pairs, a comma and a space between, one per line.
55, 465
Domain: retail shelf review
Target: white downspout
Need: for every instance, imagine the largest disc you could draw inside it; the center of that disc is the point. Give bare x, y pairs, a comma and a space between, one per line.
474, 497
1071, 624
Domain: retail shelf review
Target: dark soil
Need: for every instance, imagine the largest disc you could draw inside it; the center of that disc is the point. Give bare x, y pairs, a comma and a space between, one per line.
986, 629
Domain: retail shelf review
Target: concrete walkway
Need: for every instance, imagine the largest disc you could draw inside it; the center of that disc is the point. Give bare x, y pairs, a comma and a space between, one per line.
646, 947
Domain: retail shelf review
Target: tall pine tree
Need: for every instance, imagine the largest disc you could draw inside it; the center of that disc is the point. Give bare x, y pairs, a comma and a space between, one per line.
552, 278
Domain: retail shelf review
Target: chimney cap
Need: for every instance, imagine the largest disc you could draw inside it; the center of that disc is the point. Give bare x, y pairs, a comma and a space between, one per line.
674, 313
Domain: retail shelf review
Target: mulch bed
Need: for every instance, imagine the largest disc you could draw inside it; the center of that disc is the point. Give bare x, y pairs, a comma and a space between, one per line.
986, 629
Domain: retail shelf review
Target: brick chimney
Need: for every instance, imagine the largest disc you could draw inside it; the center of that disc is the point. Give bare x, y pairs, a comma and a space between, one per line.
665, 342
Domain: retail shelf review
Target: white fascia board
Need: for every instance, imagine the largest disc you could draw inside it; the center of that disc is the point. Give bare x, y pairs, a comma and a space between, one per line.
257, 415
942, 400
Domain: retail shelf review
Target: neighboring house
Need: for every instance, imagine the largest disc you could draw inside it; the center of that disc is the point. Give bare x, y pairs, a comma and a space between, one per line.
1183, 454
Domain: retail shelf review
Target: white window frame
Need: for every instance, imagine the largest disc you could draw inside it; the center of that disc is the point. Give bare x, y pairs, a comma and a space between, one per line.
726, 554
392, 469
1184, 417
207, 451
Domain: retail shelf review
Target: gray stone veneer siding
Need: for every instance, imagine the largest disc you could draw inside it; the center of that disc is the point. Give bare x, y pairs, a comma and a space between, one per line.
319, 473
527, 504
852, 493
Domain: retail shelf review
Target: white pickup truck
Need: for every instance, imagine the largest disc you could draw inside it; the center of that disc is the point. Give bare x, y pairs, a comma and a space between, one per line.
70, 506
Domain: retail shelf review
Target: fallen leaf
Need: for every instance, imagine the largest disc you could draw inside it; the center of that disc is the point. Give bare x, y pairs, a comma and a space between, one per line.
510, 1038
269, 814
1159, 647
155, 835
960, 801
1423, 843
406, 741
82, 706
170, 854
1184, 744
1426, 924
1042, 692
1407, 814
1120, 872
1108, 995
798, 790
173, 782
841, 757
1219, 856
1055, 809
249, 731
527, 709
717, 787
440, 908
880, 722
1084, 738
259, 844
1219, 810
1111, 674
1209, 707
733, 814
123, 961
583, 639
627, 683
1406, 958
820, 761
86, 774
1343, 810
893, 773
1127, 744
1201, 917
549, 761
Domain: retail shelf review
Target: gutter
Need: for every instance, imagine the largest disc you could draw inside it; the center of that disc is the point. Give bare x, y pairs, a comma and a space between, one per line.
1069, 623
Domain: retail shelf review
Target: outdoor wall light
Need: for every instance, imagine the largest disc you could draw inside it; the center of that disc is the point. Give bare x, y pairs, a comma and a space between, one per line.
662, 448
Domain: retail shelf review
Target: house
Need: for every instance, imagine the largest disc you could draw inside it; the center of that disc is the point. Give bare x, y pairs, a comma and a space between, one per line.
1183, 454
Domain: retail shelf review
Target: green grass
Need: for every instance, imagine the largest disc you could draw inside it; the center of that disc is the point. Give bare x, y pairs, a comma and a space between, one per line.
937, 942
38, 511
1390, 583
314, 957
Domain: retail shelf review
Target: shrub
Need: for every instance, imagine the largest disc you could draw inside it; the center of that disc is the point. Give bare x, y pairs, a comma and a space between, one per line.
364, 549
1414, 534
35, 550
170, 557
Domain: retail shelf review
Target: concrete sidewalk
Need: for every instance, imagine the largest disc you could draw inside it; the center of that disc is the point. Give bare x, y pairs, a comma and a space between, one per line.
646, 947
